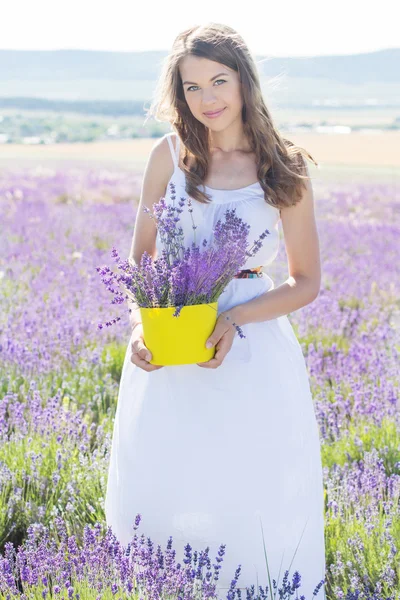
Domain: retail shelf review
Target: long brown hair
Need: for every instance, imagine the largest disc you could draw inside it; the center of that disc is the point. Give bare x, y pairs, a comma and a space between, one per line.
281, 168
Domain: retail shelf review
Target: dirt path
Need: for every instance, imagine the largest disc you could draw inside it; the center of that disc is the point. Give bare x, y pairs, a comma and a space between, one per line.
367, 153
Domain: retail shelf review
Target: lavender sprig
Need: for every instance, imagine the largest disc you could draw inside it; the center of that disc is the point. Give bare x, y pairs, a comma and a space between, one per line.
182, 275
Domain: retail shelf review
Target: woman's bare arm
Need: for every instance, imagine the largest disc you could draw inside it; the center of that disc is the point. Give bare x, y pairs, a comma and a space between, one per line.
302, 249
158, 171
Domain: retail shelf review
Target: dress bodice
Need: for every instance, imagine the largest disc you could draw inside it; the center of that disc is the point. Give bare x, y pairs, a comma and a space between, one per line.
250, 206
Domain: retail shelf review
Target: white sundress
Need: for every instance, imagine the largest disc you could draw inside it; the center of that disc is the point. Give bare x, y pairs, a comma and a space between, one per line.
206, 455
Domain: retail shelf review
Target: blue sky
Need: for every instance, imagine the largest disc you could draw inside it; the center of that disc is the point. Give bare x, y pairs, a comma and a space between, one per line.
291, 28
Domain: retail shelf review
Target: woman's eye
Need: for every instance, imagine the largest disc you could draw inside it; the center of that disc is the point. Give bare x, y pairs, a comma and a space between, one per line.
189, 88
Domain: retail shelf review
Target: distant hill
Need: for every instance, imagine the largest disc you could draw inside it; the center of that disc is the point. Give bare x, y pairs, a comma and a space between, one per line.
31, 65
369, 79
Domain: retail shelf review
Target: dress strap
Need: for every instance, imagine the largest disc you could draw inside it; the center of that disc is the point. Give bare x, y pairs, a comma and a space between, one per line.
174, 153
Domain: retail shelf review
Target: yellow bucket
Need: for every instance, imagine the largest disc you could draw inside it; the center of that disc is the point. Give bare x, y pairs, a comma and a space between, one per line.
179, 340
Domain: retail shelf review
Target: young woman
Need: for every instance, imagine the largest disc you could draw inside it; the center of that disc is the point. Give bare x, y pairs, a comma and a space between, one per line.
226, 451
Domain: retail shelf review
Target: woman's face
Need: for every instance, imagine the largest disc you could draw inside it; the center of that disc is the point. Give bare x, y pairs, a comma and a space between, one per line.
211, 86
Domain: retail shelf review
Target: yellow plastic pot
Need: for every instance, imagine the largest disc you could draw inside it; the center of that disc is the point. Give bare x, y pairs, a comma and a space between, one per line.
179, 340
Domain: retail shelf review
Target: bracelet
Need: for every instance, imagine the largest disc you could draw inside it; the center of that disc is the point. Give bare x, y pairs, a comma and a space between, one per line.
235, 325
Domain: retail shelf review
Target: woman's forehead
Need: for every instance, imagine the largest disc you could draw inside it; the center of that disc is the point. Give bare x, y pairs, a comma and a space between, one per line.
195, 65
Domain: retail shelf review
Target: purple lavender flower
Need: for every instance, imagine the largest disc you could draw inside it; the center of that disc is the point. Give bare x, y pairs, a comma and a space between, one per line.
182, 276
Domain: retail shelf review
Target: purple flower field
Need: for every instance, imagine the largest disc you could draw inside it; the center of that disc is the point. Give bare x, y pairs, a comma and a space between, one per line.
59, 379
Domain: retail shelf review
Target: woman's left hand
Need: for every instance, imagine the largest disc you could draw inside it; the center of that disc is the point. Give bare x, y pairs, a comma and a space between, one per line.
222, 338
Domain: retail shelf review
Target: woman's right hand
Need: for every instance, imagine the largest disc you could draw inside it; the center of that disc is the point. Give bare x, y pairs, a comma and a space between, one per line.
141, 355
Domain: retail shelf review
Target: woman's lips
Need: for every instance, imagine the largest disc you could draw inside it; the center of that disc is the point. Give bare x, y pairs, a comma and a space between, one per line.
216, 114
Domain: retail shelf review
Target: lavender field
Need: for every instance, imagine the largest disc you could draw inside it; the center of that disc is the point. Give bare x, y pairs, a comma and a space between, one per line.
59, 379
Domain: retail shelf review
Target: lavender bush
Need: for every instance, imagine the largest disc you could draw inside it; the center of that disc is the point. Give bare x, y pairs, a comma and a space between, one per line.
59, 374
182, 276
101, 568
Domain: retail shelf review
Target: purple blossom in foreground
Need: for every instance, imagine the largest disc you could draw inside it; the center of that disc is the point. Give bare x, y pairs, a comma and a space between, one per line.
45, 566
182, 276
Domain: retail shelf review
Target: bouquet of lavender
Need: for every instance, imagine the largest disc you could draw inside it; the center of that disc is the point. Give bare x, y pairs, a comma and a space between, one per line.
182, 276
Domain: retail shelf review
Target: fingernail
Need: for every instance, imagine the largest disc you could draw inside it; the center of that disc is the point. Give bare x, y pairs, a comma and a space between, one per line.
208, 344
148, 356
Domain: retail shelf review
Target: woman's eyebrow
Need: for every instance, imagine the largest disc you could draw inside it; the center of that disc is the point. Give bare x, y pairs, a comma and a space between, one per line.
212, 78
